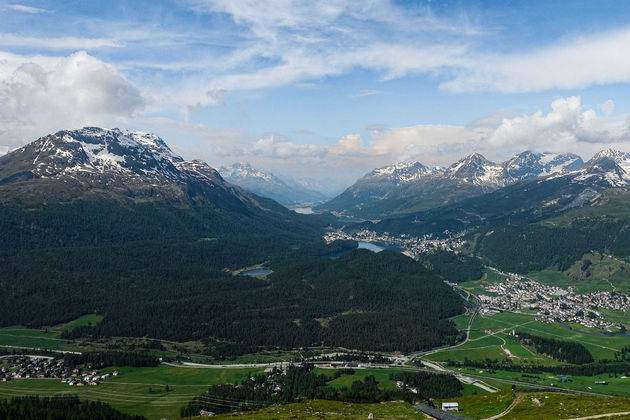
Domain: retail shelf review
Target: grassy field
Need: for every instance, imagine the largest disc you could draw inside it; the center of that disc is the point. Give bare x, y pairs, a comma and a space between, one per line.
538, 405
482, 406
618, 385
601, 347
563, 406
461, 321
521, 405
136, 390
317, 409
478, 286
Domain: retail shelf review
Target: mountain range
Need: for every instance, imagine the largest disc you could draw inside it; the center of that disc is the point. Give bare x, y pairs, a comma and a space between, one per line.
548, 221
409, 187
285, 191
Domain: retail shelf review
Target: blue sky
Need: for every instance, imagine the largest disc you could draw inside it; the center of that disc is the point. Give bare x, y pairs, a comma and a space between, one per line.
327, 89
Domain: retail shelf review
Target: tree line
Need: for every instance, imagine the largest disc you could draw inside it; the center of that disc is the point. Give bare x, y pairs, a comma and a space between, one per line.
564, 351
54, 408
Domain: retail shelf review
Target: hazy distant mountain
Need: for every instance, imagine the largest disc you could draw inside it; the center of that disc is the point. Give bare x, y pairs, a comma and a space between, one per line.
266, 184
409, 187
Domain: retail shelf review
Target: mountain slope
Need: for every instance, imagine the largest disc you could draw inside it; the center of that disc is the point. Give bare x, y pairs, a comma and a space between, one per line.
383, 192
373, 188
120, 184
266, 184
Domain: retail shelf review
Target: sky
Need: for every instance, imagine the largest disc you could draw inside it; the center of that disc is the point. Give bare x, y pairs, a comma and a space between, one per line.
326, 90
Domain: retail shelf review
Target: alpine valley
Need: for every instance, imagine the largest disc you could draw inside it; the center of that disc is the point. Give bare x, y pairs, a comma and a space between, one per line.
178, 293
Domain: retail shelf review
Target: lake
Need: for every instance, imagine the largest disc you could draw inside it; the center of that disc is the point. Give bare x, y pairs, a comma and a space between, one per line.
303, 210
370, 246
377, 247
255, 272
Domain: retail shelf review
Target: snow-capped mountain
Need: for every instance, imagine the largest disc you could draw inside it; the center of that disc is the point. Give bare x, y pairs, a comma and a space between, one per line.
411, 186
608, 168
563, 184
94, 152
530, 165
402, 172
125, 162
266, 184
477, 170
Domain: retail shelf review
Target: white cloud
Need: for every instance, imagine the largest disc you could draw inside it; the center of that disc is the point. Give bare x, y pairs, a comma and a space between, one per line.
25, 9
366, 92
66, 42
347, 145
276, 147
40, 94
568, 127
607, 107
578, 63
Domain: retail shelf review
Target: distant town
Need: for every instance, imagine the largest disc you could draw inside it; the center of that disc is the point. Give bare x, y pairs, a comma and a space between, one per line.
411, 246
554, 303
27, 367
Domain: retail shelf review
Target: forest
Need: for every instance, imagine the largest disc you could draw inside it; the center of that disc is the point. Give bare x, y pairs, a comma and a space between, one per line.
361, 300
102, 359
452, 267
55, 408
536, 246
564, 351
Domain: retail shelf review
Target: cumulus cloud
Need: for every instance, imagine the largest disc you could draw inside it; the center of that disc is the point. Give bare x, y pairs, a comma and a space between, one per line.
607, 107
347, 145
43, 93
278, 147
568, 127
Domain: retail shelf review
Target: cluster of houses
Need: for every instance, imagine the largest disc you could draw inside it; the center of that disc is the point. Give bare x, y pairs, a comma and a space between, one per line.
554, 303
26, 367
93, 378
411, 245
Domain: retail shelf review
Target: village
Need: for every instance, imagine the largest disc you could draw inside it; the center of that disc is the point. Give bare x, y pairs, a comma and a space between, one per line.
411, 246
27, 367
554, 303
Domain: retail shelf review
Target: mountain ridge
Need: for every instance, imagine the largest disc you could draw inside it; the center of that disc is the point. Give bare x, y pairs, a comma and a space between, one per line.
382, 192
266, 184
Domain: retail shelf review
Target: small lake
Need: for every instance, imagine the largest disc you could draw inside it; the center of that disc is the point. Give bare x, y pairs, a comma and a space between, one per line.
303, 210
370, 246
255, 272
377, 247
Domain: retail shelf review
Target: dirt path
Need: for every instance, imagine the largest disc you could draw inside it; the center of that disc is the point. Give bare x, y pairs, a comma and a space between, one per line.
519, 398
